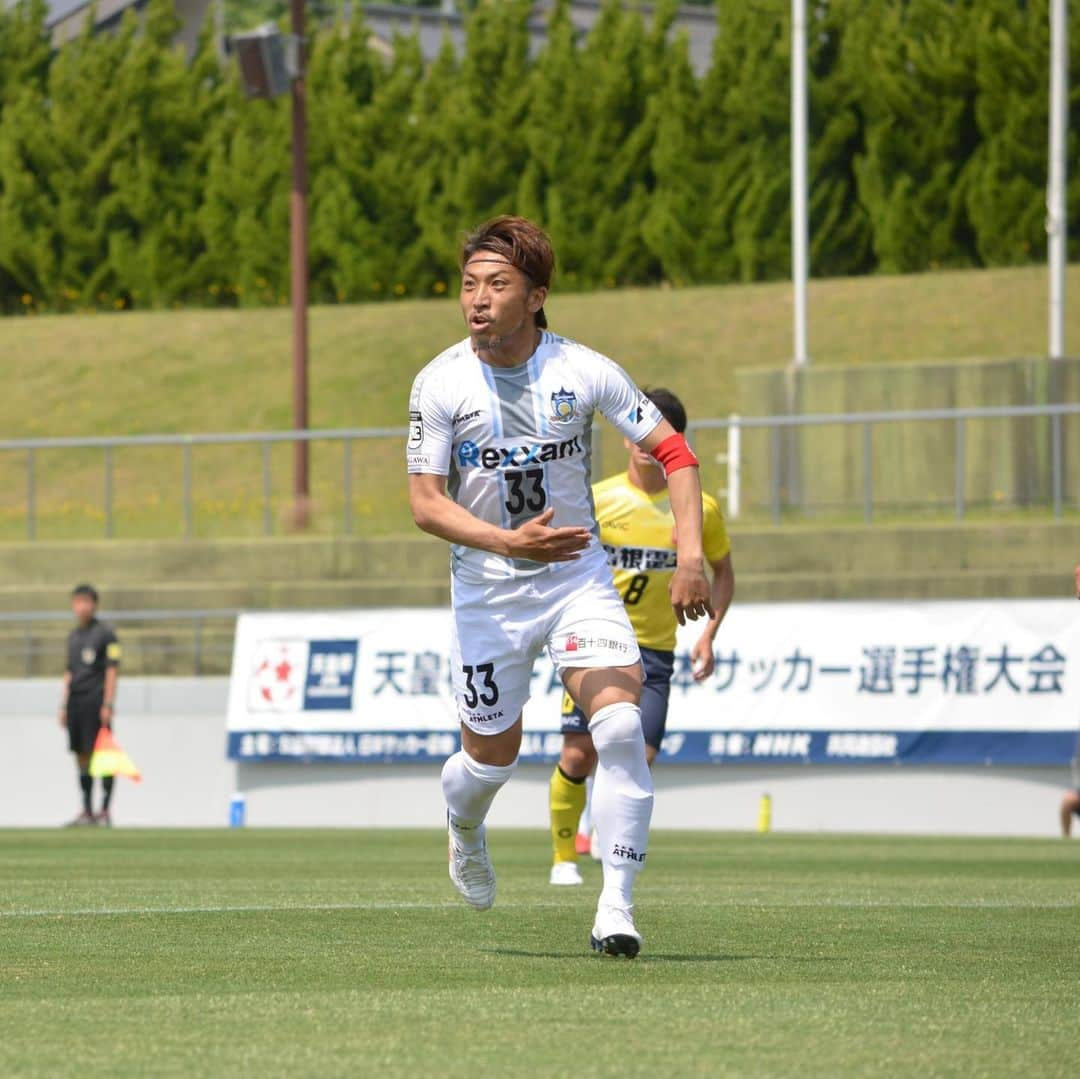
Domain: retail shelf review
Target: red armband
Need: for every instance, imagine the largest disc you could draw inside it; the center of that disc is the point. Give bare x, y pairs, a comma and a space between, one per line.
675, 453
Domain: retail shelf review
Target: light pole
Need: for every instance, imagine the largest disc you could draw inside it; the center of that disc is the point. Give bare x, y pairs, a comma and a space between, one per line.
799, 223
298, 244
1056, 228
272, 64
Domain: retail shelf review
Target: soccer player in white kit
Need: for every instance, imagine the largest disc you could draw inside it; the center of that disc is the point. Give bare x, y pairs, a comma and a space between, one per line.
499, 467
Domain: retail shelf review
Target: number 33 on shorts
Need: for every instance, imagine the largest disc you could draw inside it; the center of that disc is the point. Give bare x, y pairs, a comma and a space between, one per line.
488, 692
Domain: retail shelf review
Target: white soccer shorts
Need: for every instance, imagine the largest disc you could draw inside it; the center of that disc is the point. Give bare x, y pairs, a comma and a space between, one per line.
500, 628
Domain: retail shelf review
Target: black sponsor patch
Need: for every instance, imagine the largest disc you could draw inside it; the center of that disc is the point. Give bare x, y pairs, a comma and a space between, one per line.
416, 430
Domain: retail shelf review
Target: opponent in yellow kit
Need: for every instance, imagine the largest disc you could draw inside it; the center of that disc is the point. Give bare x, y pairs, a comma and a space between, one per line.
638, 533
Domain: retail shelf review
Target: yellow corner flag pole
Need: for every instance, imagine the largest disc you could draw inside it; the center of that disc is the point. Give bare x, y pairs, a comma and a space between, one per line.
108, 759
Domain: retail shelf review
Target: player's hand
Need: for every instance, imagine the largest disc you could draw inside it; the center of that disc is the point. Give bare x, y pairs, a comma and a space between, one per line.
106, 715
690, 593
537, 541
702, 660
63, 717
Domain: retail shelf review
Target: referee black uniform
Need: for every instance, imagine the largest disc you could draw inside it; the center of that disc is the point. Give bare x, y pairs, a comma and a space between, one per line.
92, 649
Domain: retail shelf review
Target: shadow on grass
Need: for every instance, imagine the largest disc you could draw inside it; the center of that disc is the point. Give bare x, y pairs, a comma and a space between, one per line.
660, 957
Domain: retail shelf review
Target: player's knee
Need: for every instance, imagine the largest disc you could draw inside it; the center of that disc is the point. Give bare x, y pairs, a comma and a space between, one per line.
617, 727
578, 758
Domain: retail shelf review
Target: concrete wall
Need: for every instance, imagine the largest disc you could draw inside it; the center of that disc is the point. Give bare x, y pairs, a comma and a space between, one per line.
175, 730
1007, 463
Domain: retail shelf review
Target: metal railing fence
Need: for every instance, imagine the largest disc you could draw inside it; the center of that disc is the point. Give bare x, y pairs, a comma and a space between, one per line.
265, 440
31, 642
736, 425
733, 460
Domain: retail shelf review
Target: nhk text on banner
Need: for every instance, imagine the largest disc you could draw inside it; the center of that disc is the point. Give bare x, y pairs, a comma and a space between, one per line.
925, 682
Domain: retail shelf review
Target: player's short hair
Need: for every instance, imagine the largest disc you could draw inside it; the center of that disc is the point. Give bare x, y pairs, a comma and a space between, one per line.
85, 590
671, 408
522, 243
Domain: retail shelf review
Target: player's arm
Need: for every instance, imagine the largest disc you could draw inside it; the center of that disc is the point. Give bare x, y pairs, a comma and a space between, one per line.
702, 659
436, 513
112, 674
1076, 579
723, 591
690, 593
64, 697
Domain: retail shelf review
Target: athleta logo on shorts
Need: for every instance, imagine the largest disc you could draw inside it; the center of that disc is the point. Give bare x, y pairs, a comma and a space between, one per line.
483, 717
469, 453
619, 851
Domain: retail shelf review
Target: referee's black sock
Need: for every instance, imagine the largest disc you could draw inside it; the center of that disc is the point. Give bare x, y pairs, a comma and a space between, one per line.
106, 786
87, 785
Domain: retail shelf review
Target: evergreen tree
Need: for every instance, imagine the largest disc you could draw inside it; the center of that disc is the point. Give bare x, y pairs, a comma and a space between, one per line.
554, 129
1007, 173
603, 190
476, 149
149, 214
244, 216
58, 156
915, 67
344, 74
24, 48
670, 226
745, 134
24, 59
841, 233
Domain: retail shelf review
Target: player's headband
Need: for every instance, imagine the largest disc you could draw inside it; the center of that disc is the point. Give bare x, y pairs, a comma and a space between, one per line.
501, 260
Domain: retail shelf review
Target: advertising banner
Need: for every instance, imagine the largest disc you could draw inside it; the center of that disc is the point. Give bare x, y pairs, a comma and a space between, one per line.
885, 682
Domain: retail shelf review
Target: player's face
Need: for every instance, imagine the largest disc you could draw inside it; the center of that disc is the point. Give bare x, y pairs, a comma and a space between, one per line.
497, 299
82, 606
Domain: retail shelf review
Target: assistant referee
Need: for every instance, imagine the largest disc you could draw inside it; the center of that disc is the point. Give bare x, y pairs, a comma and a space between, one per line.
89, 694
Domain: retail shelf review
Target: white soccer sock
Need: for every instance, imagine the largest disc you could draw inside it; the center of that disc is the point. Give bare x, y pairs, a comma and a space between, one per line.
622, 799
585, 823
469, 788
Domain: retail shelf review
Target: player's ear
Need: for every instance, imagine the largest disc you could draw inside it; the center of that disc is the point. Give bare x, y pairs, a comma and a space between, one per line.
537, 298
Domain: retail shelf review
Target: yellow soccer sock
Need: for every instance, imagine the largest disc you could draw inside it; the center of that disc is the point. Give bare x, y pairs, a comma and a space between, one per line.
567, 800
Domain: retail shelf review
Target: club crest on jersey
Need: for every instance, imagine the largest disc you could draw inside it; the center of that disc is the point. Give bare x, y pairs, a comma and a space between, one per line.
563, 406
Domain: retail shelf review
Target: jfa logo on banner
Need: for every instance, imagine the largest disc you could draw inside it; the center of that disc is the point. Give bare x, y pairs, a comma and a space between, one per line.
330, 675
278, 676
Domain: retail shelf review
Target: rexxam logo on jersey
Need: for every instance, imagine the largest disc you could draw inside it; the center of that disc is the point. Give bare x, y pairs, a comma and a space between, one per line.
492, 457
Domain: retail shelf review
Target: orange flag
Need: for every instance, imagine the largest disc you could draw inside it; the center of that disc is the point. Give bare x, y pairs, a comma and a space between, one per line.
108, 759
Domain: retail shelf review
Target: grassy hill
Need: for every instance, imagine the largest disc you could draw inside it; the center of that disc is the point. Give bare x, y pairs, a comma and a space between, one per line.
195, 370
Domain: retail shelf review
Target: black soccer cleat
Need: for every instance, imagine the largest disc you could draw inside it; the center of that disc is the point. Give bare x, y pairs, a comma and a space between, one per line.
614, 932
616, 944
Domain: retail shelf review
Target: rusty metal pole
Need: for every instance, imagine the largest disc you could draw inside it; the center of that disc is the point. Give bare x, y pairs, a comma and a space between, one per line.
299, 266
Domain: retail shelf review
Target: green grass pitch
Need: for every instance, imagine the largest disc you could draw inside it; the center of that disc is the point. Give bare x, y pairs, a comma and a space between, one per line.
346, 953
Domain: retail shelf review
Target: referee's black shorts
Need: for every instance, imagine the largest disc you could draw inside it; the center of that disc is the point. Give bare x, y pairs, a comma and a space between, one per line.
83, 723
655, 691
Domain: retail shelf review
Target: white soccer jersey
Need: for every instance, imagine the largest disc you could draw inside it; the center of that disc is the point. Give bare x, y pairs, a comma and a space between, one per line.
514, 441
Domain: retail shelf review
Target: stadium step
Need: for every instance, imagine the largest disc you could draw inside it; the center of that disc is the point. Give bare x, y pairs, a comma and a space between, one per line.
772, 564
276, 559
239, 594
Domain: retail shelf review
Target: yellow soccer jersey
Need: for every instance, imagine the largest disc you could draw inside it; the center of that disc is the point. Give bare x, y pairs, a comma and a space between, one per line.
638, 533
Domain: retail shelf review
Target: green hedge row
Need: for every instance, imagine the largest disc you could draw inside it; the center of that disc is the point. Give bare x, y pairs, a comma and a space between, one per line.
131, 177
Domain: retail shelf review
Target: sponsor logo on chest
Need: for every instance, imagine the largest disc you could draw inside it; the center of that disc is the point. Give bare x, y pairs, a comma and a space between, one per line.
493, 458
